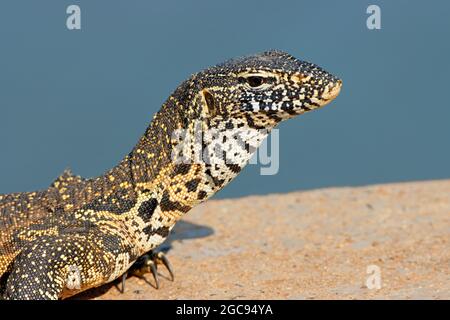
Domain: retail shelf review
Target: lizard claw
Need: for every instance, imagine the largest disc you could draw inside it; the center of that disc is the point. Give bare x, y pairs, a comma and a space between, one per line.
124, 277
153, 268
160, 257
148, 263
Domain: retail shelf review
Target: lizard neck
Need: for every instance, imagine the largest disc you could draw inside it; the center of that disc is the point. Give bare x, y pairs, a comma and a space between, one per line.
151, 157
184, 157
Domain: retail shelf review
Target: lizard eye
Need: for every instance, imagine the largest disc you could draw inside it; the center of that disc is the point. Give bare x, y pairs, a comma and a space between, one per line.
255, 81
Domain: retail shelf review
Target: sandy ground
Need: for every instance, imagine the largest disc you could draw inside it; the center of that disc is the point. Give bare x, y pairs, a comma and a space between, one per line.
309, 245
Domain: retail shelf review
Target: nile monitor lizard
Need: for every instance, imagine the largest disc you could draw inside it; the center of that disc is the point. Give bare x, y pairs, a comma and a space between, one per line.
82, 233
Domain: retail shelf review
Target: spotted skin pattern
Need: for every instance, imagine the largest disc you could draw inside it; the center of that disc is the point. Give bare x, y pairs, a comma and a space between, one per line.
82, 233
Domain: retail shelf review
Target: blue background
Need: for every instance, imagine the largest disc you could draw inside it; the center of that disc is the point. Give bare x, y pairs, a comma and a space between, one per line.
81, 99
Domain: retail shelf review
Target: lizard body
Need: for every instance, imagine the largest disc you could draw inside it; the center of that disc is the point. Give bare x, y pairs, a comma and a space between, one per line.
81, 233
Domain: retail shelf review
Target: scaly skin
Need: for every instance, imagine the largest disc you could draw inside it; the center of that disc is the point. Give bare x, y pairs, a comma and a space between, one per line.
82, 233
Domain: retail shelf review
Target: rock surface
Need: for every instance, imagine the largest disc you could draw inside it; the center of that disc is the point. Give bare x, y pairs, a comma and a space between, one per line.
309, 245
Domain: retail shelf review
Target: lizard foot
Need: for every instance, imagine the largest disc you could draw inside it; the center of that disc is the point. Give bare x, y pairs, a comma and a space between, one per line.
148, 263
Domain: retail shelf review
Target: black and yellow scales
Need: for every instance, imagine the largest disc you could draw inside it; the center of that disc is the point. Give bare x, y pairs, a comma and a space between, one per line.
82, 233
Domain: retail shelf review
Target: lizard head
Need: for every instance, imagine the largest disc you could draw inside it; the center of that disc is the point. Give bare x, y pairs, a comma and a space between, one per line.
264, 89
238, 102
